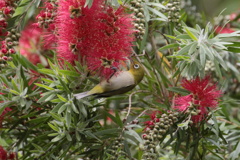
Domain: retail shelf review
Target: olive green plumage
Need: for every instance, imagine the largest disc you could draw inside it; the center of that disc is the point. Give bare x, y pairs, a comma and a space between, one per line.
121, 82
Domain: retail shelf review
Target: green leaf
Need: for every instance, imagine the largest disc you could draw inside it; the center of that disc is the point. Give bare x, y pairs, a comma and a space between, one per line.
15, 87
134, 135
14, 92
183, 37
233, 49
193, 49
62, 98
235, 154
178, 90
57, 100
64, 85
53, 134
56, 116
63, 108
185, 58
69, 138
56, 108
155, 4
24, 3
216, 143
24, 62
217, 68
191, 34
157, 13
90, 134
46, 71
55, 128
114, 119
47, 80
46, 96
4, 105
44, 86
70, 73
107, 132
68, 119
82, 109
39, 148
202, 59
173, 45
58, 138
74, 108
185, 49
172, 37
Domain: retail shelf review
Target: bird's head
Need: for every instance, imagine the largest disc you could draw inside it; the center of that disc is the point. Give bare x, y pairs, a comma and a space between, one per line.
137, 70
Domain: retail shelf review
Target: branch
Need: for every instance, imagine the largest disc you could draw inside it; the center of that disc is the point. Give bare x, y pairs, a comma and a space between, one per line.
229, 122
130, 101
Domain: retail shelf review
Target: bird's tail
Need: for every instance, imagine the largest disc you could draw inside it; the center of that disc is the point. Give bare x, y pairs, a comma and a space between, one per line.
81, 95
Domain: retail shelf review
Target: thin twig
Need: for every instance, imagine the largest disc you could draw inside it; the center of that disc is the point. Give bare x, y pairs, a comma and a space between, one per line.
137, 55
143, 112
229, 122
130, 101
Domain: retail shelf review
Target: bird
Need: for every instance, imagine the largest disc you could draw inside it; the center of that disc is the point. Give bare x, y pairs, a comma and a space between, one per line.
120, 82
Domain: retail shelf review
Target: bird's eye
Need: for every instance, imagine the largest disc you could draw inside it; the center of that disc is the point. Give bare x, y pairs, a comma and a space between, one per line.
136, 66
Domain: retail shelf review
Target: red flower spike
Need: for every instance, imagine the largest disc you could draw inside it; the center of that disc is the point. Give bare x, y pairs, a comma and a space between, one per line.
3, 153
96, 34
30, 43
223, 30
203, 95
2, 116
11, 156
153, 115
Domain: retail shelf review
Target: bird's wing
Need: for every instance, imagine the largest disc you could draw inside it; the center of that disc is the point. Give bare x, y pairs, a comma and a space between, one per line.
120, 80
115, 92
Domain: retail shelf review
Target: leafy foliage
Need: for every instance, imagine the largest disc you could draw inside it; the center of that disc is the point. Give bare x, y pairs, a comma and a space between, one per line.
41, 119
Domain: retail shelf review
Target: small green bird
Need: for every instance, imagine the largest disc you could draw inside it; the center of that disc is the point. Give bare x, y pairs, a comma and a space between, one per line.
121, 82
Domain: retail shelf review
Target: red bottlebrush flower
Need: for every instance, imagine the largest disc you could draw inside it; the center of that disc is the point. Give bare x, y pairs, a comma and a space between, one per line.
154, 118
3, 153
2, 116
203, 95
30, 44
223, 30
11, 156
46, 20
7, 10
100, 35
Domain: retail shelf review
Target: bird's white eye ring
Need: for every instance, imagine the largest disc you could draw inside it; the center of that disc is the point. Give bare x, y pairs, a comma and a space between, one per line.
136, 66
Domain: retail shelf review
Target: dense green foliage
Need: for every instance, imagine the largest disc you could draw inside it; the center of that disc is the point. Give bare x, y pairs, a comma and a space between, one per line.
47, 122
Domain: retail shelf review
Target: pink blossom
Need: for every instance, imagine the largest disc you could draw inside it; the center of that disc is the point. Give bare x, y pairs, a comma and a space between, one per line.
154, 115
30, 43
223, 30
203, 95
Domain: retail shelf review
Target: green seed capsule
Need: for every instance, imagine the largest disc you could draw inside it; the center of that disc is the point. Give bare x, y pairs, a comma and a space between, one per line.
133, 2
166, 126
194, 113
140, 15
142, 33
